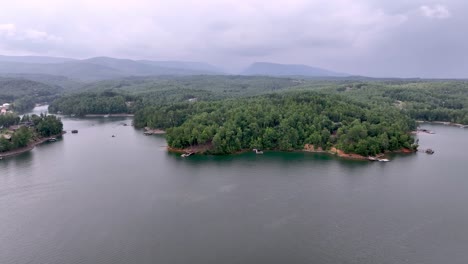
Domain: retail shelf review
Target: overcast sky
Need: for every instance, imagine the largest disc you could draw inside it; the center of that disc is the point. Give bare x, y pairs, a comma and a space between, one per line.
404, 38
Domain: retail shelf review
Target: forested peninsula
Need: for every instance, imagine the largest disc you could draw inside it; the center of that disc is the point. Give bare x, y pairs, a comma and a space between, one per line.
286, 122
87, 103
22, 134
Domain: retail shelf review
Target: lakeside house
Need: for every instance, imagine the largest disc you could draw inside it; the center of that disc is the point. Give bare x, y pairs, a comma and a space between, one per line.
5, 109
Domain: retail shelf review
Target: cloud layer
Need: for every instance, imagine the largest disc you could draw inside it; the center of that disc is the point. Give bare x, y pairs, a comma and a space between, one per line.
378, 38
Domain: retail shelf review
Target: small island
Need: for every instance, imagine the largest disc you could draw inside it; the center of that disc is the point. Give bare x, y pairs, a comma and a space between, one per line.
18, 135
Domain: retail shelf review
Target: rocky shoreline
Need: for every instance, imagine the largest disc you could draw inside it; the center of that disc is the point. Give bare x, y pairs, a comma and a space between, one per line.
307, 148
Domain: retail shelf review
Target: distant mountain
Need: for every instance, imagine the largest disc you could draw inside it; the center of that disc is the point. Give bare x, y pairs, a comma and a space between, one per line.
148, 68
73, 69
33, 59
100, 68
188, 65
275, 69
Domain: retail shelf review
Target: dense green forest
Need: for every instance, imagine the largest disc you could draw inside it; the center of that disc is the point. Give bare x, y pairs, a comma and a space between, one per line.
38, 127
8, 120
151, 91
172, 89
429, 100
24, 94
284, 121
107, 102
436, 100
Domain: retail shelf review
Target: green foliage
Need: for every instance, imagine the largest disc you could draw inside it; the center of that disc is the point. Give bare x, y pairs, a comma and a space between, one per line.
21, 137
422, 100
284, 121
8, 120
106, 102
48, 126
31, 127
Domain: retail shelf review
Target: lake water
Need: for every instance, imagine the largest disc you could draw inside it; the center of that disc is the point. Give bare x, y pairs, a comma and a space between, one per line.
92, 198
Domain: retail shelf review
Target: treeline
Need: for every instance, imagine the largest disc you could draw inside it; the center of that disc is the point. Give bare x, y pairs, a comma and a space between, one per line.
34, 127
422, 100
429, 100
285, 121
8, 120
155, 91
107, 102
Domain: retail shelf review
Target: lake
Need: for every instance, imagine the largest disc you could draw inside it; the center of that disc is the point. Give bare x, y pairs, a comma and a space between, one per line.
94, 198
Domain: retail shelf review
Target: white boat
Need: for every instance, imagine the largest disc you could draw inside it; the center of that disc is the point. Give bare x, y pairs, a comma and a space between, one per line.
186, 155
257, 151
106, 115
384, 160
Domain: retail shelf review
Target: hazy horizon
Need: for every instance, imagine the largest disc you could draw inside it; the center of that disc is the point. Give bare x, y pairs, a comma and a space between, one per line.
370, 38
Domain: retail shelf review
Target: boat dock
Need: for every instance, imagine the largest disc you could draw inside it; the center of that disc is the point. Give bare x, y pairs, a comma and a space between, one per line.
427, 151
427, 131
185, 155
371, 158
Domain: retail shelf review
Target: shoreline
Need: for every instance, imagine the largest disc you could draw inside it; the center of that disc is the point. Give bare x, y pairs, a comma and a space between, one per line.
109, 115
445, 123
29, 147
307, 148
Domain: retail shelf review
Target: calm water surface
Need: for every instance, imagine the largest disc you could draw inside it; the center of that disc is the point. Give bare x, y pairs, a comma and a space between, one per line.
91, 198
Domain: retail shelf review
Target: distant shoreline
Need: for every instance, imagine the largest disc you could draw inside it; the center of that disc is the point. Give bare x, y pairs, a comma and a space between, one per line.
29, 147
109, 115
445, 123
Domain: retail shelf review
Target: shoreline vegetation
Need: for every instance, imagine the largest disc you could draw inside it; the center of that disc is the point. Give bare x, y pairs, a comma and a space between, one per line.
21, 134
30, 146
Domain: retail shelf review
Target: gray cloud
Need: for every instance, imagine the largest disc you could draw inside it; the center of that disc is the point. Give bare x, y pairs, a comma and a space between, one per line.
368, 37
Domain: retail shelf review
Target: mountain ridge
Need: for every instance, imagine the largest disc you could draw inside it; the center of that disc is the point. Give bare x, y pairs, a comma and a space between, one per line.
278, 69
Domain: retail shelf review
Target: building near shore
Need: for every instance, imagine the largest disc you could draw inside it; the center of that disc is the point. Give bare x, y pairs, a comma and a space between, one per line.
5, 108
